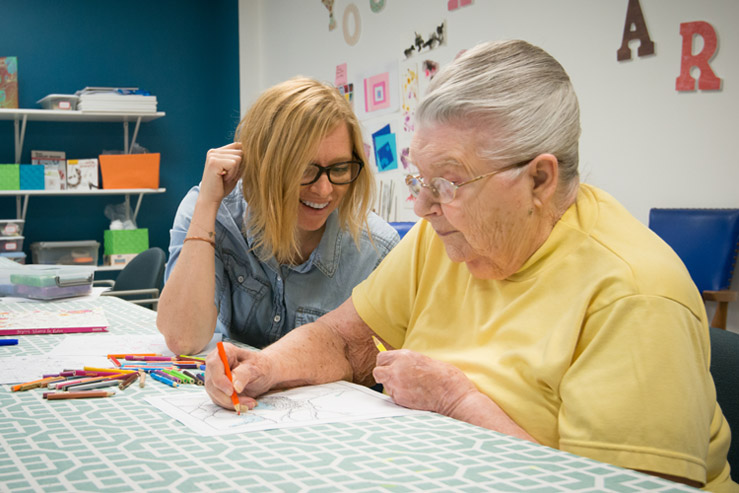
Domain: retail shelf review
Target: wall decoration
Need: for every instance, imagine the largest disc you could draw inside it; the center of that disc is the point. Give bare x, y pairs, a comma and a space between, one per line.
386, 156
377, 91
708, 81
341, 77
352, 37
347, 90
436, 38
455, 4
409, 95
635, 18
329, 4
376, 5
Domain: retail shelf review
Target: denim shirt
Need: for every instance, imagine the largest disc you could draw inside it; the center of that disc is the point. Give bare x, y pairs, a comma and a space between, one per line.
259, 302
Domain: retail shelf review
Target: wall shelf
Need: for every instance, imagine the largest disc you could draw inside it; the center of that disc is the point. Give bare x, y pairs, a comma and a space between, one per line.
22, 196
20, 117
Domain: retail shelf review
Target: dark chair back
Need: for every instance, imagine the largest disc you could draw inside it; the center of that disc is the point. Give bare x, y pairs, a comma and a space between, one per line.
725, 372
145, 271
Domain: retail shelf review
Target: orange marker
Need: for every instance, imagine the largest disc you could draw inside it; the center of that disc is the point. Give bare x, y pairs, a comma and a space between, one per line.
224, 360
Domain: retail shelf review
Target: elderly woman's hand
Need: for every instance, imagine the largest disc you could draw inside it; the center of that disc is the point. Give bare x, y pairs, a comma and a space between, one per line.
251, 372
416, 381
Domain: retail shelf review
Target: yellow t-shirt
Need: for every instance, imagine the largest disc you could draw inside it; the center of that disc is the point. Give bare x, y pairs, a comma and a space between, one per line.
598, 345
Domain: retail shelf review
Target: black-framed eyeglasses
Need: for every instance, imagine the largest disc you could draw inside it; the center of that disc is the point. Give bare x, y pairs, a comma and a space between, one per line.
337, 173
444, 190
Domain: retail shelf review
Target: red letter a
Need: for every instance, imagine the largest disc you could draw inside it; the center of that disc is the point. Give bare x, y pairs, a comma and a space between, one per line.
636, 18
707, 80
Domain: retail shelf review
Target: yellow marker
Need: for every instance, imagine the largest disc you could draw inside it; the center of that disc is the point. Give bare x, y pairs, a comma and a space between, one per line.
379, 345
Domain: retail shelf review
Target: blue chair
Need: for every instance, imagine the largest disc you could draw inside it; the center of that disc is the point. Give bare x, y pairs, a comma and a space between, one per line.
402, 227
706, 241
725, 372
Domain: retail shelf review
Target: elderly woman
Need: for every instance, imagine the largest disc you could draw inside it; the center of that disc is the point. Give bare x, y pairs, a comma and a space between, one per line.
279, 231
524, 301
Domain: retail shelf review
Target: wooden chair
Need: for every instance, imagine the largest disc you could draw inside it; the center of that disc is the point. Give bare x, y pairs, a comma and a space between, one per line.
706, 241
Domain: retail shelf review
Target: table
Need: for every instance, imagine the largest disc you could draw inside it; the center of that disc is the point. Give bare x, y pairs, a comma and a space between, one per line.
121, 443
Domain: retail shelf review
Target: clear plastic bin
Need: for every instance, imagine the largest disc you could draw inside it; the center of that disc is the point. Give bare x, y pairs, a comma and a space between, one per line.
11, 244
11, 227
65, 252
43, 282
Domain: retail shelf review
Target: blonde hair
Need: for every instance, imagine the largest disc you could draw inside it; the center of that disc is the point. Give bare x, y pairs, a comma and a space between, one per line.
280, 135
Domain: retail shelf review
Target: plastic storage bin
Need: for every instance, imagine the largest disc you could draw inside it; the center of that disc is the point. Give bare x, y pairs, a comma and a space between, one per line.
59, 102
11, 243
11, 227
65, 252
44, 282
18, 257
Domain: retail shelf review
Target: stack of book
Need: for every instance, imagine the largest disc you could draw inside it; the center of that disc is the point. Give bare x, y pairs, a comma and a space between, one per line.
123, 99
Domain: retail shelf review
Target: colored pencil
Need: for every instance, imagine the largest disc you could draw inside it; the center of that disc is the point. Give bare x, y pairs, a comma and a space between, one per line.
84, 394
95, 385
162, 379
128, 381
8, 342
227, 369
380, 346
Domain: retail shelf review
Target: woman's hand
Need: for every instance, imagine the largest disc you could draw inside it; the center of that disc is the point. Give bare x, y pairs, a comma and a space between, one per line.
222, 172
416, 381
251, 372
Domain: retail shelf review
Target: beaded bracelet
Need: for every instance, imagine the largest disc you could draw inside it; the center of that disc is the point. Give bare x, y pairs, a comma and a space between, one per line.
200, 238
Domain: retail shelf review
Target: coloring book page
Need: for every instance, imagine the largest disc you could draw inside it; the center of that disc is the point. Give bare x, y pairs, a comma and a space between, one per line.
302, 406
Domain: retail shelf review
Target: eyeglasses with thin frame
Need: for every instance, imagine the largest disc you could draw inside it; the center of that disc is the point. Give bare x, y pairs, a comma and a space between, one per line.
443, 190
338, 173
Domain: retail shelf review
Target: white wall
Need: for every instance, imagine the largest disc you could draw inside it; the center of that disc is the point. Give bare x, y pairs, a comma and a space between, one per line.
642, 141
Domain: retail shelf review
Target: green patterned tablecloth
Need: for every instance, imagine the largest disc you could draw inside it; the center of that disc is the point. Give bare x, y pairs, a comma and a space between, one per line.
123, 444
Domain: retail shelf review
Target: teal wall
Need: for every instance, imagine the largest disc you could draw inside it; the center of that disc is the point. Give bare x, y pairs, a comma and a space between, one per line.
184, 51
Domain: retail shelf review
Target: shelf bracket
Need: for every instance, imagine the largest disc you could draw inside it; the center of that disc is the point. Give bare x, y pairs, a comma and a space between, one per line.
21, 206
138, 205
20, 134
128, 146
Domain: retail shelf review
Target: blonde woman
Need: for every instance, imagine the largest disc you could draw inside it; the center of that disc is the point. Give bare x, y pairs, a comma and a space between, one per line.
279, 230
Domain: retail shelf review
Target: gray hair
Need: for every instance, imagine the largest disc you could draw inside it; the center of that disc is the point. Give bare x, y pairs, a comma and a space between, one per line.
519, 94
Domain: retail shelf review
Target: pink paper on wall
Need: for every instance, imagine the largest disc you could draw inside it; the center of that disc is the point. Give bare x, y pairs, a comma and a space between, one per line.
340, 75
377, 92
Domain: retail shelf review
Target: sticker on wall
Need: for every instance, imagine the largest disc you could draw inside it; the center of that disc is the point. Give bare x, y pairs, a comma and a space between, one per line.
455, 4
351, 24
347, 90
341, 77
708, 81
376, 5
329, 4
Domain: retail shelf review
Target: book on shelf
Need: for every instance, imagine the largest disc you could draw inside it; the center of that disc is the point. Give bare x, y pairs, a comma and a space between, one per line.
8, 82
82, 174
55, 168
121, 99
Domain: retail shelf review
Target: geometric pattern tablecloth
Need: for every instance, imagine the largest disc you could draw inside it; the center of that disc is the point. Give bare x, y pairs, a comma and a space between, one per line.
124, 444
